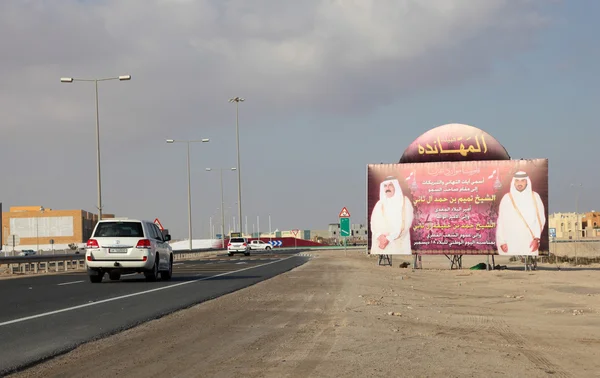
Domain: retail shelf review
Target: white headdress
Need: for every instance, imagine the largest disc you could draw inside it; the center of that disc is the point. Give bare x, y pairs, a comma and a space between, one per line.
524, 200
393, 207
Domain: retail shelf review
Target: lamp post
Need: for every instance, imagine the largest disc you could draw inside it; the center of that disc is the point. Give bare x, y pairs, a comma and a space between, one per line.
237, 101
37, 228
189, 182
222, 205
95, 81
270, 234
578, 186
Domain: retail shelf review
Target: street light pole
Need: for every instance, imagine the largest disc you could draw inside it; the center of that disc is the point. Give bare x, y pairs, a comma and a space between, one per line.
237, 101
270, 234
222, 205
99, 180
576, 219
189, 183
37, 228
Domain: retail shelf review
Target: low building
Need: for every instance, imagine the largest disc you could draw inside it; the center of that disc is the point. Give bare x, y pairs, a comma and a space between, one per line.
590, 223
357, 231
567, 225
41, 228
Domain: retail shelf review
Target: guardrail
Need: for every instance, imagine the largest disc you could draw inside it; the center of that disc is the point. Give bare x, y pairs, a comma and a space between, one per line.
35, 263
73, 261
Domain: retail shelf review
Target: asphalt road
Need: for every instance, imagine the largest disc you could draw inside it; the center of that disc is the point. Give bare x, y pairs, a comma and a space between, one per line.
43, 316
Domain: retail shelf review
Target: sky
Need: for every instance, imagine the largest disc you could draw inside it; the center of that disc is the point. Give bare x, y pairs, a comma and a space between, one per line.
329, 87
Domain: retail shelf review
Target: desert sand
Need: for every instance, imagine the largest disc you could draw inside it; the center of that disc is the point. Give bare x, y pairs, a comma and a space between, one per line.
342, 315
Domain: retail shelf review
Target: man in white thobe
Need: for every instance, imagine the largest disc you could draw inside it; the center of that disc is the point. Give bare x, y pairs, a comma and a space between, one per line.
521, 219
391, 220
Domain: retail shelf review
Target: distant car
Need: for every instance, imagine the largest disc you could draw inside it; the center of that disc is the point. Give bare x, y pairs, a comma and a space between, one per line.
128, 246
238, 245
260, 245
27, 252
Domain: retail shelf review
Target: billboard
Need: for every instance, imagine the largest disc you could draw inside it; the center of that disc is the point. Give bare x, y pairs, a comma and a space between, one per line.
467, 208
454, 142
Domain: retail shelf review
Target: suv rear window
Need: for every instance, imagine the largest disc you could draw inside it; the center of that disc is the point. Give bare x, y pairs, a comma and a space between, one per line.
237, 240
119, 229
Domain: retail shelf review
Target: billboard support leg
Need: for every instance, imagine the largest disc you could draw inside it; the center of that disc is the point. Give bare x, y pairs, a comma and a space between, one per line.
387, 259
487, 262
493, 262
455, 261
417, 262
530, 263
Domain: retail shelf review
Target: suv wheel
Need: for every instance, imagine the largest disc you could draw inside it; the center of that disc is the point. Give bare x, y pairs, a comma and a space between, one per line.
152, 275
167, 274
267, 248
96, 277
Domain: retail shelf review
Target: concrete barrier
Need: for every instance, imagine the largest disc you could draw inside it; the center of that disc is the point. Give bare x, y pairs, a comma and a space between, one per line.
574, 248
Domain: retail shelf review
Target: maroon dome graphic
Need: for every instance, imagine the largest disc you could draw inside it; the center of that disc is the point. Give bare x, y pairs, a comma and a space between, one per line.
454, 142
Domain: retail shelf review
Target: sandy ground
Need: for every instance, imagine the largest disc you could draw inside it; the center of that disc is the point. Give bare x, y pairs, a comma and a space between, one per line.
345, 316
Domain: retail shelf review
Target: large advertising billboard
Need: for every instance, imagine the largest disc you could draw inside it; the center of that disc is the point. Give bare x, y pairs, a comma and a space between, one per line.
467, 208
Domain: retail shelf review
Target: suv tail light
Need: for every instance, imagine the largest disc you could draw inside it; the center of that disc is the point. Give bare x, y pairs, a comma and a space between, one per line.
229, 244
92, 243
244, 244
144, 243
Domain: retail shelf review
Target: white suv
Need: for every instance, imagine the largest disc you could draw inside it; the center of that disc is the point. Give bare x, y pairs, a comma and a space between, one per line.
121, 246
238, 245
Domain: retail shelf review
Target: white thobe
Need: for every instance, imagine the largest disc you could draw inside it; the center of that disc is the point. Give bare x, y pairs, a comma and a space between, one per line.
398, 233
513, 230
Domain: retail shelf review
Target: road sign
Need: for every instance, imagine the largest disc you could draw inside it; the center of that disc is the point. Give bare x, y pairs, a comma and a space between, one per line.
157, 222
552, 232
276, 243
295, 232
51, 241
344, 213
344, 226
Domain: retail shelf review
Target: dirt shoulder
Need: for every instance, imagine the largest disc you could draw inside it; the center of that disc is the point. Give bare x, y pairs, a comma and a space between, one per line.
344, 316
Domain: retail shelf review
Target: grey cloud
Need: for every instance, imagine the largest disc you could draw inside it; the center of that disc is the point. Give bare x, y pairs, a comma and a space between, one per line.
311, 58
287, 54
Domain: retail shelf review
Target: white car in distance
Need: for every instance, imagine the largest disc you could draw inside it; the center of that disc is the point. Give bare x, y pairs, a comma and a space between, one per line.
121, 246
260, 245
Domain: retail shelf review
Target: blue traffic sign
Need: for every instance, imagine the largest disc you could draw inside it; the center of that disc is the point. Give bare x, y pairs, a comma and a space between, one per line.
276, 243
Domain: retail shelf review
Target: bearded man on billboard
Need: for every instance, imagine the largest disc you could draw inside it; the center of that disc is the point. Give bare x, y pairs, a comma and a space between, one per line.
391, 220
521, 218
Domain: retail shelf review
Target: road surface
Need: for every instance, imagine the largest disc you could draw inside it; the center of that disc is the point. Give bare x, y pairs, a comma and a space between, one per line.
42, 316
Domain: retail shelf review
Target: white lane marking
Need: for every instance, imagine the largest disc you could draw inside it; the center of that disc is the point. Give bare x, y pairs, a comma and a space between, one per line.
130, 295
177, 264
69, 283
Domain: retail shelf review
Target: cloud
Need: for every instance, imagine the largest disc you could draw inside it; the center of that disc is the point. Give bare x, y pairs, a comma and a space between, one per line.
188, 57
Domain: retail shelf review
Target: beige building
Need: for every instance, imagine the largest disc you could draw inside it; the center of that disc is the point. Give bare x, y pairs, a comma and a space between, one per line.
566, 224
37, 227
